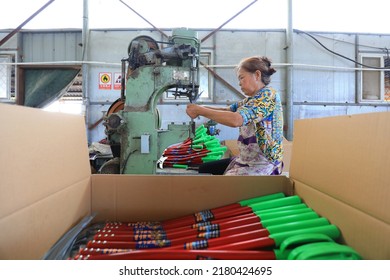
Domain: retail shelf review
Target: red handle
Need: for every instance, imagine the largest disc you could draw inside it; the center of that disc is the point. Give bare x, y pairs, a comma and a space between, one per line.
161, 254
251, 244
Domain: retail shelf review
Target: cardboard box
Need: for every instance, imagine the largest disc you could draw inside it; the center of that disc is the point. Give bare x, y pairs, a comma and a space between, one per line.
338, 168
232, 147
287, 146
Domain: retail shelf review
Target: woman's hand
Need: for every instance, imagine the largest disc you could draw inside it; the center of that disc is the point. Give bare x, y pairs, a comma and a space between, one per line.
192, 110
220, 115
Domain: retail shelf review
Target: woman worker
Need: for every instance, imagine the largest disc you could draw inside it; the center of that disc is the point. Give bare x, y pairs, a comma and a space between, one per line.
260, 120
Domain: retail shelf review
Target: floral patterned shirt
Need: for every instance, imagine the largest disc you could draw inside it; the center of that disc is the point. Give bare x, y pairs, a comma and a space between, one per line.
261, 134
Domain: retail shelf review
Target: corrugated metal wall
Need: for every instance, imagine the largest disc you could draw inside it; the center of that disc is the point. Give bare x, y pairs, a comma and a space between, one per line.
324, 84
48, 46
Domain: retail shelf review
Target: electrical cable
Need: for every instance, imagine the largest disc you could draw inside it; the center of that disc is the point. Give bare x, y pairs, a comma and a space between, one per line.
126, 160
340, 55
346, 42
61, 249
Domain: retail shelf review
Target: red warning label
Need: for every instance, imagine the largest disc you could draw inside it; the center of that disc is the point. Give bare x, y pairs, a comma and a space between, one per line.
105, 80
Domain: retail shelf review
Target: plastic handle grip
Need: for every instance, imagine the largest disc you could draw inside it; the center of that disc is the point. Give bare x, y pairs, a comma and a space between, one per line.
212, 143
298, 225
304, 238
201, 139
330, 230
215, 153
210, 158
218, 149
282, 208
290, 200
324, 251
289, 218
284, 252
184, 166
249, 201
197, 147
199, 135
278, 214
200, 129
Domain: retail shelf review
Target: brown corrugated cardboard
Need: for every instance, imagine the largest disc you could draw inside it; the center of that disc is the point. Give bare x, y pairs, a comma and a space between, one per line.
44, 179
156, 198
344, 159
47, 187
347, 158
367, 235
232, 147
287, 147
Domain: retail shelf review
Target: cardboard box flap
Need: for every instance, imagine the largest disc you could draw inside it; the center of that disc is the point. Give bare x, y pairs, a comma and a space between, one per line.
159, 197
41, 154
30, 232
346, 158
368, 236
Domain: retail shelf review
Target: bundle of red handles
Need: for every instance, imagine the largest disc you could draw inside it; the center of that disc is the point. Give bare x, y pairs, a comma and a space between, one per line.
257, 228
192, 152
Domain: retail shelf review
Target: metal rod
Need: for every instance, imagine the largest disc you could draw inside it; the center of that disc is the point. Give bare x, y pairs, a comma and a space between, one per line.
358, 74
290, 74
85, 67
138, 14
226, 22
123, 79
17, 29
346, 104
222, 80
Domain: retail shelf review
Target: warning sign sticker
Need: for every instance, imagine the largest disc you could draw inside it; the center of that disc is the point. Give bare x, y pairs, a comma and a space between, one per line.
105, 80
117, 80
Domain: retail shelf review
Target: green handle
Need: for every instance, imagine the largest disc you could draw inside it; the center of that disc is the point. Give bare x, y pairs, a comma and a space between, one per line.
324, 251
262, 198
215, 153
202, 139
278, 214
304, 238
218, 149
195, 147
212, 143
290, 218
296, 240
290, 200
210, 158
283, 208
200, 129
184, 166
330, 230
198, 140
298, 225
199, 136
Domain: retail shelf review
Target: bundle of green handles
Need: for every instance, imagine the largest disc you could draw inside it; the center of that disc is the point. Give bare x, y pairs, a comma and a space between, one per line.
306, 244
193, 151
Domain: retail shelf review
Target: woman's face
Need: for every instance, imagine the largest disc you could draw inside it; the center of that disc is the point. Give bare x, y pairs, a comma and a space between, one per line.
250, 83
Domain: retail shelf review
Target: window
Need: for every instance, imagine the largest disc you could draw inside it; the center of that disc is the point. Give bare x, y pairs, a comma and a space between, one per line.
205, 83
7, 77
43, 85
387, 79
374, 83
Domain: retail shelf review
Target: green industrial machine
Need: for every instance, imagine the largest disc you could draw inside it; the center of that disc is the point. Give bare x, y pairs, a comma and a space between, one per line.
134, 132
